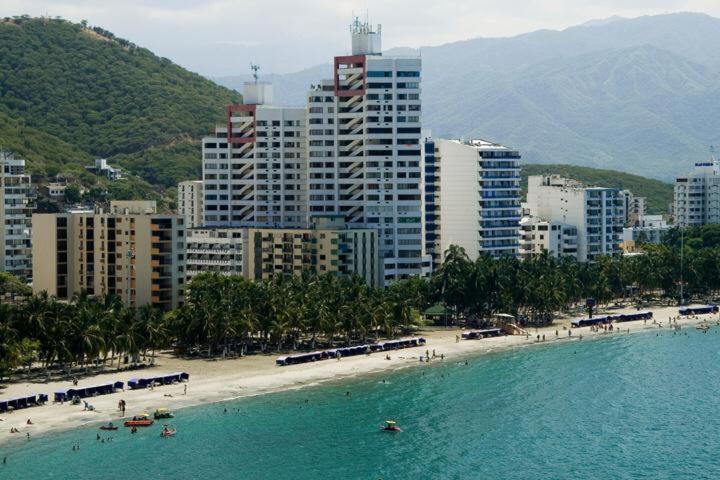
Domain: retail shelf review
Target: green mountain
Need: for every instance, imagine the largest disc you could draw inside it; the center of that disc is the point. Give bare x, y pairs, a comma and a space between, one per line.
69, 93
659, 194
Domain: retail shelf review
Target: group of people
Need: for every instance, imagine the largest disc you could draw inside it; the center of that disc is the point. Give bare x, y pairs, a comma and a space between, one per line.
427, 356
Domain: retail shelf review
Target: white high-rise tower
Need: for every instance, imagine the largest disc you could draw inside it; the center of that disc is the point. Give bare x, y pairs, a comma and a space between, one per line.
364, 152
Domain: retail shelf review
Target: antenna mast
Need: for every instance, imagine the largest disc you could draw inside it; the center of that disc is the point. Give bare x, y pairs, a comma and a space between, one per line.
255, 69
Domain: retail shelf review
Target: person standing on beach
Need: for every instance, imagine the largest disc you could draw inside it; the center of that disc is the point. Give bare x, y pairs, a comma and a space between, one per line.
185, 390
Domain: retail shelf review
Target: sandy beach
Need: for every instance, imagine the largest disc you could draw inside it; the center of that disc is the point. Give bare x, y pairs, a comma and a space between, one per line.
217, 380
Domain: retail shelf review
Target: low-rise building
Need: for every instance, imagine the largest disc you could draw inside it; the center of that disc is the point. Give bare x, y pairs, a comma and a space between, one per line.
215, 250
16, 206
538, 235
101, 167
130, 251
649, 229
328, 247
190, 202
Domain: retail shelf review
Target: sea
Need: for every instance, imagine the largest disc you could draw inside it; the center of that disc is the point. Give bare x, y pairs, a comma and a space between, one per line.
621, 406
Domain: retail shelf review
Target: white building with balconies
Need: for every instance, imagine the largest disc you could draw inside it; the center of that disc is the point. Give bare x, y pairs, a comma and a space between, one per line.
538, 235
472, 198
254, 166
597, 213
364, 152
215, 250
190, 202
16, 207
697, 196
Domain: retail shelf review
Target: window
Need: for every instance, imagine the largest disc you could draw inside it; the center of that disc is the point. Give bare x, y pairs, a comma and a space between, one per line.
379, 73
408, 74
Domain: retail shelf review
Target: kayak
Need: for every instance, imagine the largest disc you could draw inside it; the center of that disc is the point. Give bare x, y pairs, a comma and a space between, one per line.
168, 433
108, 427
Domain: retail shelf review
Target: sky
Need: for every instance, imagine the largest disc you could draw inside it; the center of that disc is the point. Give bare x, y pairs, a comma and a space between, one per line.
222, 37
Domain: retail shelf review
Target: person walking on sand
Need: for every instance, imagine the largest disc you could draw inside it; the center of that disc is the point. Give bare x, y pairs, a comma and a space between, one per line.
185, 390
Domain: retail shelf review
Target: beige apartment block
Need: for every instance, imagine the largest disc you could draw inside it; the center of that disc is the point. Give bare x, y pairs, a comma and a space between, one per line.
132, 252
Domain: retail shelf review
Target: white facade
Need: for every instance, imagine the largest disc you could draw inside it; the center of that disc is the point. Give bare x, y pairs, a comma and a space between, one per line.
649, 228
254, 167
597, 213
364, 158
190, 202
556, 238
16, 196
215, 250
472, 198
634, 208
697, 196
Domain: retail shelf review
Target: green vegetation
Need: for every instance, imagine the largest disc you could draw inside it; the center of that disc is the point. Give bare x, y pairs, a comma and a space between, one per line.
69, 93
659, 194
231, 315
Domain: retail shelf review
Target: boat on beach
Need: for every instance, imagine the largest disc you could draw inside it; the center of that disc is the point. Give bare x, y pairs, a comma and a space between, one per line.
163, 413
142, 420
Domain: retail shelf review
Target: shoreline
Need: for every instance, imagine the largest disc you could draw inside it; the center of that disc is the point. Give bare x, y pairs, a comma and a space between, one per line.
215, 381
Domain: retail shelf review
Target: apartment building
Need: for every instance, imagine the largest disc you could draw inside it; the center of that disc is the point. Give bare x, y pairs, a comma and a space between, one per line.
130, 251
597, 213
190, 202
364, 152
634, 207
328, 247
472, 198
16, 206
697, 196
215, 250
254, 165
556, 238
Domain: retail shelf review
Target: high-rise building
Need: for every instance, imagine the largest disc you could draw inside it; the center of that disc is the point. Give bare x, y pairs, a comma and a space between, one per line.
697, 196
364, 152
254, 166
131, 251
16, 206
472, 198
538, 236
597, 213
190, 202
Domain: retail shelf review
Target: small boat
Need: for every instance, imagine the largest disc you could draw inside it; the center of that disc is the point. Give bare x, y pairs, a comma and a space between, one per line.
143, 420
168, 431
390, 426
163, 413
109, 426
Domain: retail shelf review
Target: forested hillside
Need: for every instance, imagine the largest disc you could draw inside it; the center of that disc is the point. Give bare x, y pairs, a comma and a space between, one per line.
69, 93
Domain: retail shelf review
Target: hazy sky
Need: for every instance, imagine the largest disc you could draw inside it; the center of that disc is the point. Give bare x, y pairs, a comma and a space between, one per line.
222, 37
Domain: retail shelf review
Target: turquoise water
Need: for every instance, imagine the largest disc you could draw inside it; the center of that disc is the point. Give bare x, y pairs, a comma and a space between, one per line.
625, 406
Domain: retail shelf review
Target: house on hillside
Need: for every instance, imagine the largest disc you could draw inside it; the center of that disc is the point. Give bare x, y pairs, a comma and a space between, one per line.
101, 167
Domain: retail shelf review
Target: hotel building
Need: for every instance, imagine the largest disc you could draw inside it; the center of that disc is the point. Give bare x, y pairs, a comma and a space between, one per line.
472, 198
130, 251
364, 152
254, 165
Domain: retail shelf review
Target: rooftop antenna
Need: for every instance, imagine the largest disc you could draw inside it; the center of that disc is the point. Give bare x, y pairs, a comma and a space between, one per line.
254, 69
